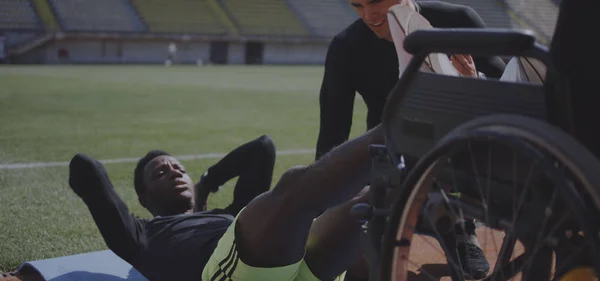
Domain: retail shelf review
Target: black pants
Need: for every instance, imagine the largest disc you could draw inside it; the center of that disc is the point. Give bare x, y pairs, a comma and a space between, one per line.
574, 54
252, 162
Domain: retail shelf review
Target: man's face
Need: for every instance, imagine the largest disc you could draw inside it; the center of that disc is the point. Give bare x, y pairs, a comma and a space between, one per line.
374, 14
168, 187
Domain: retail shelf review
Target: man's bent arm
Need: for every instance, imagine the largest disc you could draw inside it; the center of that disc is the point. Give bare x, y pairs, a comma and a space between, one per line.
120, 229
336, 100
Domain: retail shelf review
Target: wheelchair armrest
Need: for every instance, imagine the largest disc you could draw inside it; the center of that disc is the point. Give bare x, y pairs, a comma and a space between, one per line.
475, 41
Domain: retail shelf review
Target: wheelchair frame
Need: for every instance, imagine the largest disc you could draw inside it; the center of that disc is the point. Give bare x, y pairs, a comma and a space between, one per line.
389, 167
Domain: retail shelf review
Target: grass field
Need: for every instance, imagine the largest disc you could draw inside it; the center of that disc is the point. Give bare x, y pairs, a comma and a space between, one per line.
49, 113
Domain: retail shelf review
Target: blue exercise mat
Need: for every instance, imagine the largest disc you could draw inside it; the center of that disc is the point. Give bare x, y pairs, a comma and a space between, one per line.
94, 266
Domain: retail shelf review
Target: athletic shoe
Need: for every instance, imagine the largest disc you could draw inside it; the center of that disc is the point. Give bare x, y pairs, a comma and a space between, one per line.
474, 263
472, 260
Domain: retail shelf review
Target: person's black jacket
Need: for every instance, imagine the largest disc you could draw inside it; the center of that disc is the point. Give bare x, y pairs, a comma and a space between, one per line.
358, 61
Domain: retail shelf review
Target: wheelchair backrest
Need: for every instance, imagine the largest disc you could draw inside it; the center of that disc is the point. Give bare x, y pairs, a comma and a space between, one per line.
436, 104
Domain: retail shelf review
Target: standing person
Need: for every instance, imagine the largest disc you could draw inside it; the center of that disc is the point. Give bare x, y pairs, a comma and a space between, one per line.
362, 58
171, 54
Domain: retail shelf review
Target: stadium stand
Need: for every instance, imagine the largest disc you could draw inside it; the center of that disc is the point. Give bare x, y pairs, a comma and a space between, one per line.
541, 14
18, 15
46, 15
493, 14
324, 17
180, 16
264, 17
94, 15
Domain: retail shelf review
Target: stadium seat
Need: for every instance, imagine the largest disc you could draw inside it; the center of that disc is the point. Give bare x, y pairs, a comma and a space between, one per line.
93, 15
18, 15
538, 15
541, 13
325, 18
491, 12
180, 16
264, 17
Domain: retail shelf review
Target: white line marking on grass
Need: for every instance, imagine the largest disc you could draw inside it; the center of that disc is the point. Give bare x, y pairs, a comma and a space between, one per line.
132, 160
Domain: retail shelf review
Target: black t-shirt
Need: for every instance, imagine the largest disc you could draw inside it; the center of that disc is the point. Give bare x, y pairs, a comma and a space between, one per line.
162, 248
178, 247
358, 61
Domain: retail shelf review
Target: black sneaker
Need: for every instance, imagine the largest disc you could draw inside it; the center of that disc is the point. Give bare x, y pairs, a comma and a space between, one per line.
474, 263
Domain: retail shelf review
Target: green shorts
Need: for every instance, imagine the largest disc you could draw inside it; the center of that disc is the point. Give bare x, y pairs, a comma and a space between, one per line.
224, 264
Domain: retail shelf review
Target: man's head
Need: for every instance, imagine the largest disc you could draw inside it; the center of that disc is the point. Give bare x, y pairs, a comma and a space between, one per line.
163, 185
374, 14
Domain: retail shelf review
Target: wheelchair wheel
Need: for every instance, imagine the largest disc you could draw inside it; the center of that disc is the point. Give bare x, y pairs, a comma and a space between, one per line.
532, 192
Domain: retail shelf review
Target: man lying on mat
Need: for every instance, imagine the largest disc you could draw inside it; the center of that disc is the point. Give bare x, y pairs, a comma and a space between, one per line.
180, 238
301, 229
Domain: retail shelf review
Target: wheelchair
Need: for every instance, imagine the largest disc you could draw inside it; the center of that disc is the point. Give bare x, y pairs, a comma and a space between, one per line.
498, 153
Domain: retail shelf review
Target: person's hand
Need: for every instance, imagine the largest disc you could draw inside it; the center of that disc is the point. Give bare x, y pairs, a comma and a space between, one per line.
87, 175
464, 65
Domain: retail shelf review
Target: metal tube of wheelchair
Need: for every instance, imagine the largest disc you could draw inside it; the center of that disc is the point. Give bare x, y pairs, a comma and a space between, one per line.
474, 41
379, 173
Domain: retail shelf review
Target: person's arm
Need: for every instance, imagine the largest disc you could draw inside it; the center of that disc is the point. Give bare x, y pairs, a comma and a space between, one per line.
120, 229
336, 99
492, 66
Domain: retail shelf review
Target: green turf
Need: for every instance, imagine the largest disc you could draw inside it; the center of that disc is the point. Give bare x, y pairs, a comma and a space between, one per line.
49, 113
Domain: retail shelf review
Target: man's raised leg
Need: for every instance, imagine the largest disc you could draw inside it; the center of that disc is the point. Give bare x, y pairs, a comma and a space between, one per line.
272, 231
334, 242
